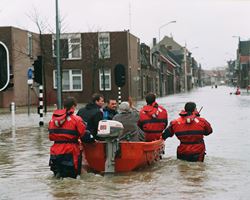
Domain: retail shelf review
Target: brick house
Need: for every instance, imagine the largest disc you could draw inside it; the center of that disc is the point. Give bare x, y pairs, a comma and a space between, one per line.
23, 47
149, 73
168, 69
84, 65
87, 64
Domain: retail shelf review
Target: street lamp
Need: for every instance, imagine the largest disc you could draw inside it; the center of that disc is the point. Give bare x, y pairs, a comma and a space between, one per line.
194, 48
185, 66
164, 26
236, 36
58, 58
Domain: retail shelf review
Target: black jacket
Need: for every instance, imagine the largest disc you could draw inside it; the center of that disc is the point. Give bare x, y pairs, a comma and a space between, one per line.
91, 115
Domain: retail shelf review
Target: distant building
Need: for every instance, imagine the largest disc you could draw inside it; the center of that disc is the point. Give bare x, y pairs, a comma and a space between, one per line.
232, 73
183, 62
149, 73
243, 63
214, 77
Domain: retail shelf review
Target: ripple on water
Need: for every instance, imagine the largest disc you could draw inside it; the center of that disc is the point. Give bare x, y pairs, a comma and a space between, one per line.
225, 174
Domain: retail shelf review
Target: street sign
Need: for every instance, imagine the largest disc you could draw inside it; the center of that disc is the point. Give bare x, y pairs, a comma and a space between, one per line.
30, 81
30, 73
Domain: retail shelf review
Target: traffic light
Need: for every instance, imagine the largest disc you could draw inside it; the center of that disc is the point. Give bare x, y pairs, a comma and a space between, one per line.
4, 67
120, 75
11, 84
38, 75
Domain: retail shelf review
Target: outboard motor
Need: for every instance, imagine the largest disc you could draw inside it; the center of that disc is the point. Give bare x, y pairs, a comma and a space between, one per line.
110, 130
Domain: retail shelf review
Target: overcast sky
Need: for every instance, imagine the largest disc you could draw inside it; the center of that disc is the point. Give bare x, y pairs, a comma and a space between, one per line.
206, 26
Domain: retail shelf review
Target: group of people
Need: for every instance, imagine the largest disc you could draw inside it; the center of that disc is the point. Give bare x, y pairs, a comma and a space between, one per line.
69, 131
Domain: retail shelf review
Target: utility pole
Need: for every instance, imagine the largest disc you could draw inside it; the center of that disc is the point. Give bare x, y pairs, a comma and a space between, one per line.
185, 68
58, 58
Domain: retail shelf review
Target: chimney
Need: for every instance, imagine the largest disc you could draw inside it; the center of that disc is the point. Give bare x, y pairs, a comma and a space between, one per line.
154, 41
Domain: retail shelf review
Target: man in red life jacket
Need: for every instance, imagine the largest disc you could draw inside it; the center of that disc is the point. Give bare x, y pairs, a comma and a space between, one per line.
153, 119
190, 129
237, 91
66, 129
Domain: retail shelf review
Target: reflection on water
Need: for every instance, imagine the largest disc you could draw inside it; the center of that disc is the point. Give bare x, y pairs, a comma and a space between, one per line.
225, 174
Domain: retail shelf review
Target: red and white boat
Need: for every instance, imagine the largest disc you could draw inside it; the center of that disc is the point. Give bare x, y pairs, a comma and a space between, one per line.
112, 155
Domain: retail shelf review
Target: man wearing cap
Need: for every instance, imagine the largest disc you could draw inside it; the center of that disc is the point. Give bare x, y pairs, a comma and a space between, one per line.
129, 117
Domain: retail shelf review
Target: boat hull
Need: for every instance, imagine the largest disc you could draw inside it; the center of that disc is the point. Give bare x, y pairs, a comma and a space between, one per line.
131, 155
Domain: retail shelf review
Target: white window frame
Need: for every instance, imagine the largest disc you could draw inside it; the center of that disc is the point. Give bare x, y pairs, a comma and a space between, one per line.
30, 44
71, 77
107, 72
104, 45
69, 37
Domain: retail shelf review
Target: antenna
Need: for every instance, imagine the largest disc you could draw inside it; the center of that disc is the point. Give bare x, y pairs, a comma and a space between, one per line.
200, 109
130, 16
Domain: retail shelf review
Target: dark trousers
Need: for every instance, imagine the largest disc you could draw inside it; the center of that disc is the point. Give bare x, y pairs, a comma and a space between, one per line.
191, 157
63, 165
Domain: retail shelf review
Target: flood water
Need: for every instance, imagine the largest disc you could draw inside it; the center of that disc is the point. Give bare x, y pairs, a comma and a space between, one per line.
225, 174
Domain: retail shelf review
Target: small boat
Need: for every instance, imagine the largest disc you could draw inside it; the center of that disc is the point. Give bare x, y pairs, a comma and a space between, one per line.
112, 155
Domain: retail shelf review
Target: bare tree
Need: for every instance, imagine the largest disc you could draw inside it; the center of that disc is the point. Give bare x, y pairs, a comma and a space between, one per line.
42, 26
99, 48
64, 49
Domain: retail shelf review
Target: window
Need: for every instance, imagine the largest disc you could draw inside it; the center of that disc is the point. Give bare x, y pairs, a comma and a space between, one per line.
70, 45
29, 45
71, 79
107, 79
104, 45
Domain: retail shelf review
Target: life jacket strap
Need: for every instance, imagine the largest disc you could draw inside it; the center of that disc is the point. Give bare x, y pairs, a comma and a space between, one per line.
66, 141
196, 142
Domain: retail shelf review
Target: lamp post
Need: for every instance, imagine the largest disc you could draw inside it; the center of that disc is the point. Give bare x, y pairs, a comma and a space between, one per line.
239, 77
185, 67
194, 48
164, 26
58, 59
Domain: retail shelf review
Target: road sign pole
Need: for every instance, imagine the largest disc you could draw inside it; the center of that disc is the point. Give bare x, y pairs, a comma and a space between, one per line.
29, 82
28, 100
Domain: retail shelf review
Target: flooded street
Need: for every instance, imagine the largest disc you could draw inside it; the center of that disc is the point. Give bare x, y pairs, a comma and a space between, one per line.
225, 174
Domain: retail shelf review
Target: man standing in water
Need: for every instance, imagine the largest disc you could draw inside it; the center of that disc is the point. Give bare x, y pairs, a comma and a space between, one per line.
66, 129
190, 129
153, 119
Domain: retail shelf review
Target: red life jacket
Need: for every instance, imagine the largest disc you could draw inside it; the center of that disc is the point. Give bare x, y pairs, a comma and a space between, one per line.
190, 130
65, 129
153, 120
237, 92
